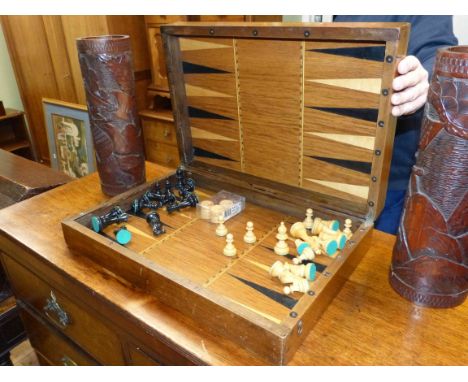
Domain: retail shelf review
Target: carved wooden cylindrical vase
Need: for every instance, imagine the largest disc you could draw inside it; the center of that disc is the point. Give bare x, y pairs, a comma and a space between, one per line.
430, 258
107, 69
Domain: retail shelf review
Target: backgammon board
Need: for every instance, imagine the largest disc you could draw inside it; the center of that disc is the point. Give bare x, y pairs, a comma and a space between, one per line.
291, 116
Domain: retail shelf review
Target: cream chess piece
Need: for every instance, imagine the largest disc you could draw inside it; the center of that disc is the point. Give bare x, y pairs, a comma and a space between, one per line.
319, 225
304, 250
338, 236
215, 212
308, 222
249, 236
307, 271
278, 270
281, 248
229, 250
298, 285
221, 229
347, 230
205, 207
329, 246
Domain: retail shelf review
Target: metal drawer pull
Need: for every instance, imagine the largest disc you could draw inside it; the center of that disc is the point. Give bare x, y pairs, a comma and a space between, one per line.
67, 361
52, 306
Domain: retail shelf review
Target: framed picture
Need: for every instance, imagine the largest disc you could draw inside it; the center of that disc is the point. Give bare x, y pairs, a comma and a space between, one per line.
69, 136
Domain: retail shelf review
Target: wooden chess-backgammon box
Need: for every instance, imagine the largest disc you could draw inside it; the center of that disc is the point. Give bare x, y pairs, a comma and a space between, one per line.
290, 116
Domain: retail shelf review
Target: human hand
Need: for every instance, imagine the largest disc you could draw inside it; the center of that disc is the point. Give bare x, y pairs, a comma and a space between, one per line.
410, 87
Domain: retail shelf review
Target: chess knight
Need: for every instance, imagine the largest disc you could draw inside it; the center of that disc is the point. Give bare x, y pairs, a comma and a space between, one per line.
430, 258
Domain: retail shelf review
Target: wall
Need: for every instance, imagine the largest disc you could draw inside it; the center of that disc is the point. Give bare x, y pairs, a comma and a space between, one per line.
9, 92
460, 26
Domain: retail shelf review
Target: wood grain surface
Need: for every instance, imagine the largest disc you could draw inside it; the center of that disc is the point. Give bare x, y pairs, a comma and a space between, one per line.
367, 323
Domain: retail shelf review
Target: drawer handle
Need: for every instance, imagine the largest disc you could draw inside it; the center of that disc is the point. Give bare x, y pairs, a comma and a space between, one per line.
166, 132
67, 361
53, 306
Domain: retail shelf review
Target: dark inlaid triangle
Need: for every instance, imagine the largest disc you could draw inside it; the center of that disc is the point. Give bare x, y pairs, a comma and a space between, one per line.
370, 115
363, 167
194, 112
208, 154
190, 68
280, 298
374, 53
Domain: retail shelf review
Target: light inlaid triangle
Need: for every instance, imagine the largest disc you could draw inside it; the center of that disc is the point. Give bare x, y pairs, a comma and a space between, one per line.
271, 318
364, 141
260, 265
197, 91
359, 191
370, 85
203, 134
189, 44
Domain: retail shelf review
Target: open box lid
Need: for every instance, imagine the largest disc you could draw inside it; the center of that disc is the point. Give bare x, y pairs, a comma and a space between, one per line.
303, 106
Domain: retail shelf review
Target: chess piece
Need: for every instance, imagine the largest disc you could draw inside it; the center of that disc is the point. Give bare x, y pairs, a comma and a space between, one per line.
155, 223
204, 209
281, 248
347, 230
169, 197
278, 270
304, 250
298, 285
114, 216
249, 236
122, 235
215, 212
329, 246
229, 250
319, 225
307, 271
144, 202
221, 229
180, 176
155, 194
191, 200
338, 236
308, 222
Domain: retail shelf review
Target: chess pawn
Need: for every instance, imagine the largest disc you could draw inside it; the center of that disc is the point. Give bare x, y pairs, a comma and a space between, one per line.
298, 285
221, 229
281, 248
229, 250
215, 212
304, 250
338, 236
278, 270
319, 225
307, 271
249, 236
155, 223
347, 229
308, 222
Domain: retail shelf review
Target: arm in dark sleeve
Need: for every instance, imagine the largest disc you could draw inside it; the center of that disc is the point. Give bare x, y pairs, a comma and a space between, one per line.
429, 33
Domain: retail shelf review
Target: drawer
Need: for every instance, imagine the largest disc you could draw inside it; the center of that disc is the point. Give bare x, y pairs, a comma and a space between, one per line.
53, 348
162, 153
157, 130
83, 327
154, 354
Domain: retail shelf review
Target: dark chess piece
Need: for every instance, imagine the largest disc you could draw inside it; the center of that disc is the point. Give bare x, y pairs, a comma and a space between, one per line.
115, 215
155, 193
190, 200
169, 197
183, 183
123, 235
154, 221
144, 202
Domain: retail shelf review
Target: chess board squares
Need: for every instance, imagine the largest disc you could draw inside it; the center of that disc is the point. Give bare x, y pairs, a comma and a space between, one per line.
195, 252
270, 96
331, 60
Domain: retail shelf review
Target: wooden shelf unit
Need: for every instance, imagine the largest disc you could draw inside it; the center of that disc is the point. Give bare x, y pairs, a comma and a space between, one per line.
14, 134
